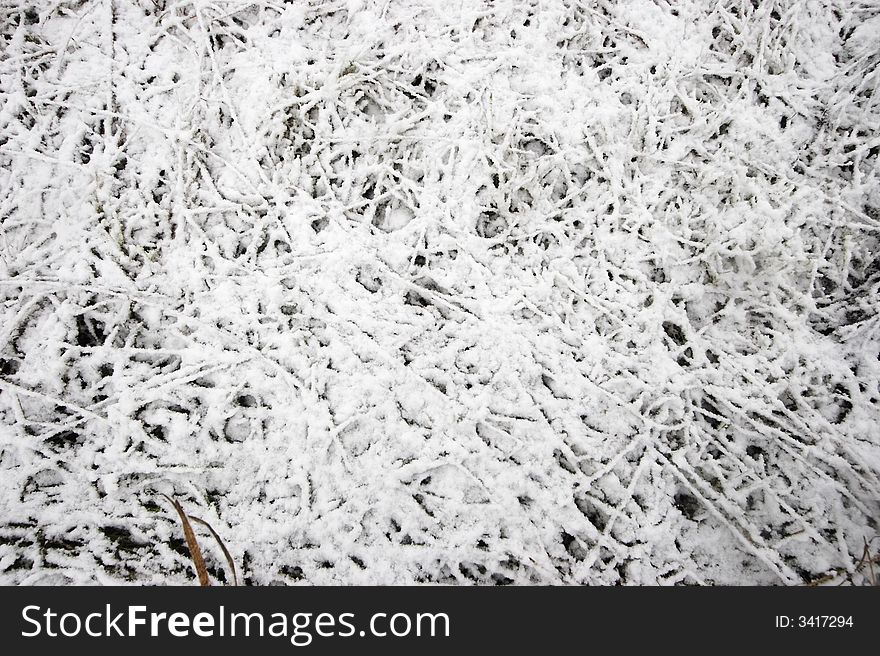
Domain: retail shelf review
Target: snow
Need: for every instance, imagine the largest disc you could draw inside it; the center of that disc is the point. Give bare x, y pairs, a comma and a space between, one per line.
404, 292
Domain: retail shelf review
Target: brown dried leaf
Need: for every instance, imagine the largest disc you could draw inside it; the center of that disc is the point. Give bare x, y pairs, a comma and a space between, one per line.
223, 548
191, 543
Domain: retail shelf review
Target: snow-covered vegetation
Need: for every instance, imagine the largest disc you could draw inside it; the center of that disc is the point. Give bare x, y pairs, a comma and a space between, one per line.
396, 291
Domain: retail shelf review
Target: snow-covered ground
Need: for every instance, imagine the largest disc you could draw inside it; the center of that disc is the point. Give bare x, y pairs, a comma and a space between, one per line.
548, 291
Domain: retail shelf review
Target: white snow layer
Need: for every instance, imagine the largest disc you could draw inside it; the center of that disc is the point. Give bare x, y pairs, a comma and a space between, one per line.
548, 291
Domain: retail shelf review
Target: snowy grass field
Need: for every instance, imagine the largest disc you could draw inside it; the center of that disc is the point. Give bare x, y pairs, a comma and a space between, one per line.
416, 291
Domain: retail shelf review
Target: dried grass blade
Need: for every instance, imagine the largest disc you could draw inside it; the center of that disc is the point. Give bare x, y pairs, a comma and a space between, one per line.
223, 548
191, 543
